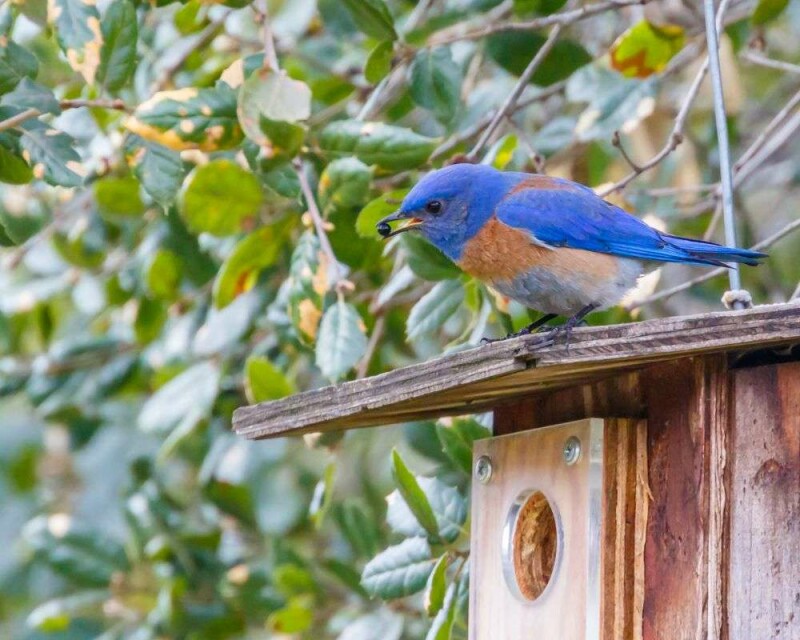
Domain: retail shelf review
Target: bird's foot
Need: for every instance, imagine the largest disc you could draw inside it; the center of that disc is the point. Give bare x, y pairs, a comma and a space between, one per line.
538, 326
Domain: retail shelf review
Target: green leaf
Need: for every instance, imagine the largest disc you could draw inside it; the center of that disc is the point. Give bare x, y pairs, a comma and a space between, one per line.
323, 495
77, 28
189, 118
514, 50
443, 622
22, 226
13, 168
372, 17
208, 203
16, 63
264, 381
118, 197
379, 62
768, 10
436, 587
307, 286
414, 496
51, 154
457, 439
57, 614
120, 31
163, 275
434, 308
341, 342
241, 268
269, 107
151, 316
344, 184
426, 261
32, 95
379, 625
448, 506
436, 83
159, 169
645, 49
539, 7
615, 103
292, 619
390, 147
192, 391
376, 210
400, 570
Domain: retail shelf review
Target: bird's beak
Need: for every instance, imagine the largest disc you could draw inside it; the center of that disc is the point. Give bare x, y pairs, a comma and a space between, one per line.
409, 222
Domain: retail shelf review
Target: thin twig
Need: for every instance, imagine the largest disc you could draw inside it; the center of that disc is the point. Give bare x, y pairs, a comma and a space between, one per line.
15, 121
511, 100
319, 223
270, 52
556, 19
673, 140
372, 346
764, 61
481, 124
796, 293
666, 293
115, 104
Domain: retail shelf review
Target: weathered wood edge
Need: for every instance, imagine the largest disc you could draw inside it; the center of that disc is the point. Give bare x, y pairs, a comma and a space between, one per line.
467, 381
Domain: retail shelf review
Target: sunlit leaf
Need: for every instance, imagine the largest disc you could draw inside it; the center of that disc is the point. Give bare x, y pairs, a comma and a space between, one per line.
645, 49
387, 146
77, 27
436, 82
344, 184
240, 270
264, 381
437, 586
379, 62
189, 119
207, 203
414, 497
377, 209
118, 53
434, 308
768, 10
341, 342
51, 154
372, 17
16, 63
400, 570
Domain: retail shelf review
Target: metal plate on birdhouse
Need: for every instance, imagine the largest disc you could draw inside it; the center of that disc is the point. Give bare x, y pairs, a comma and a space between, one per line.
536, 533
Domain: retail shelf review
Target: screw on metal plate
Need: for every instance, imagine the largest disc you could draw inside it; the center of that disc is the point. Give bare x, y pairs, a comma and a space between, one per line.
483, 469
572, 450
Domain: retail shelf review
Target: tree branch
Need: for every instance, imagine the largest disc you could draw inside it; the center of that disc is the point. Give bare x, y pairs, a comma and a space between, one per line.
511, 100
557, 19
764, 61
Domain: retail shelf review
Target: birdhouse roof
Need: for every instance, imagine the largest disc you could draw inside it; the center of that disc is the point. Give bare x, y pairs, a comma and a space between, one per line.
482, 378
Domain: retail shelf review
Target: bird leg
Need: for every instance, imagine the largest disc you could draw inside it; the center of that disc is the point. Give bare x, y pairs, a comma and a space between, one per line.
536, 325
570, 324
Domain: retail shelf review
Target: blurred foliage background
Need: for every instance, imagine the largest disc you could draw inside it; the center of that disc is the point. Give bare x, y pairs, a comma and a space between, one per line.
187, 208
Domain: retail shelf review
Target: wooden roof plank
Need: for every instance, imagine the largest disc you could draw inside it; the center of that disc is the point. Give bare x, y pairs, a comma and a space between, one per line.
477, 379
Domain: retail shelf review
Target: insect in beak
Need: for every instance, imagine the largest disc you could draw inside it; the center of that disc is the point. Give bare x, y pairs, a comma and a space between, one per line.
408, 223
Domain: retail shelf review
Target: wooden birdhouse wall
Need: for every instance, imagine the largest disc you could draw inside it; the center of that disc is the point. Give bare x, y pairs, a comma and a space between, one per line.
722, 537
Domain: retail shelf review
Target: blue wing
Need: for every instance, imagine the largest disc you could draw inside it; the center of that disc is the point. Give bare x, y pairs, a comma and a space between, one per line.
566, 214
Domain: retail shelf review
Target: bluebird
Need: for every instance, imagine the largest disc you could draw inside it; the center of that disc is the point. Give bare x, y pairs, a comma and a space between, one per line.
549, 243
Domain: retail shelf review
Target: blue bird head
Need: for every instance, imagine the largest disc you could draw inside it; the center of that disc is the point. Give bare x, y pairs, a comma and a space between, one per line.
449, 206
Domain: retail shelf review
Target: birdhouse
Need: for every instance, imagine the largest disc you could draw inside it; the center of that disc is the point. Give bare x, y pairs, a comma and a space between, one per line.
643, 483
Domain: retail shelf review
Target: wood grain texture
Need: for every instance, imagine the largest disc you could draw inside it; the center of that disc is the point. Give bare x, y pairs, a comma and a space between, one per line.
533, 461
480, 379
686, 403
764, 582
626, 496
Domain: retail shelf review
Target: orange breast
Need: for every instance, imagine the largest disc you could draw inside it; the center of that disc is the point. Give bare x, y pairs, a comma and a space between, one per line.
499, 252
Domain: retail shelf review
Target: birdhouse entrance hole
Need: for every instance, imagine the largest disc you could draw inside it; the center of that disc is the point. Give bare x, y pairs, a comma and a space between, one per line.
530, 545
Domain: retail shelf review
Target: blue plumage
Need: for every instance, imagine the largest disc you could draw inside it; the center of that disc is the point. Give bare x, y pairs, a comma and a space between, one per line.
573, 216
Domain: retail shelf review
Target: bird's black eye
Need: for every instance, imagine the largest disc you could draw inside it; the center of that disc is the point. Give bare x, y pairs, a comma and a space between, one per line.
434, 207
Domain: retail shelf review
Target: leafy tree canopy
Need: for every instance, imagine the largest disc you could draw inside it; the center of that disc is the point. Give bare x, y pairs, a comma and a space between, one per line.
188, 197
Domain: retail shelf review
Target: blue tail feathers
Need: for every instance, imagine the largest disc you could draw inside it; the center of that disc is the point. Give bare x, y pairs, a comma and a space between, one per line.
711, 253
